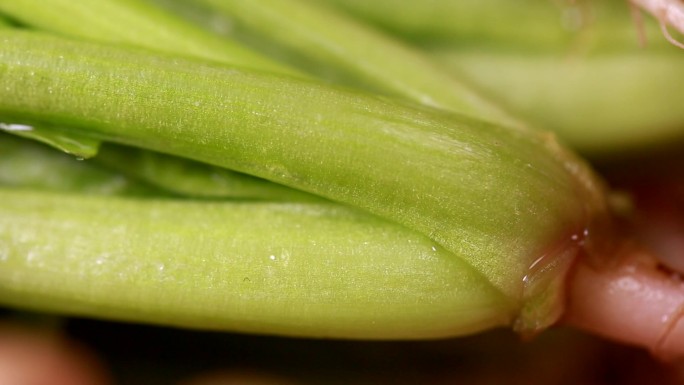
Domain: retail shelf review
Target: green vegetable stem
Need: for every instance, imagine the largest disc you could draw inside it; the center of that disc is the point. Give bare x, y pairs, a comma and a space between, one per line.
193, 179
602, 104
293, 269
136, 23
359, 54
574, 68
509, 205
524, 26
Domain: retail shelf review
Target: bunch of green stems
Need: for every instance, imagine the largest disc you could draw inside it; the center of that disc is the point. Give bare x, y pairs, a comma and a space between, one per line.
312, 168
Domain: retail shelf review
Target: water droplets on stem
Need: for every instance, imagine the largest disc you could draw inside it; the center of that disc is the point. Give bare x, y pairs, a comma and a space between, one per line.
283, 258
544, 282
15, 127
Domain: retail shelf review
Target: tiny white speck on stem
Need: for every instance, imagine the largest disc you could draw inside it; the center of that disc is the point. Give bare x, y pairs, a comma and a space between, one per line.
15, 127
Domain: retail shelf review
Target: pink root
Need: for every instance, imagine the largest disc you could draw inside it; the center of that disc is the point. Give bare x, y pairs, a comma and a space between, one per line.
668, 13
636, 302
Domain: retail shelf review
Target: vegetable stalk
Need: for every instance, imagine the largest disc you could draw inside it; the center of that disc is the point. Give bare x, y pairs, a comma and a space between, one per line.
510, 203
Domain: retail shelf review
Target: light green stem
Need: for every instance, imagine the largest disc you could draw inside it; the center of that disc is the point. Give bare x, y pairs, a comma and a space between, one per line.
513, 26
601, 104
498, 198
134, 22
366, 55
291, 269
193, 179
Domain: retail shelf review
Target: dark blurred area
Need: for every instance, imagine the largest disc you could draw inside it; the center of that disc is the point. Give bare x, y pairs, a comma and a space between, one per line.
138, 354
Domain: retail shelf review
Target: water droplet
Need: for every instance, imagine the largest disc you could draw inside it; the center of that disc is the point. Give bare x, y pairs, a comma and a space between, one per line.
272, 257
434, 248
160, 267
15, 127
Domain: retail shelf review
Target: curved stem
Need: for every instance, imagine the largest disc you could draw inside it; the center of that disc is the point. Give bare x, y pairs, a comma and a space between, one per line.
635, 300
669, 12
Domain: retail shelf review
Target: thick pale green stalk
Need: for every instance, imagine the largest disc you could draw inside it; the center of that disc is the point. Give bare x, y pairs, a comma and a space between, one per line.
292, 269
171, 174
507, 25
24, 164
133, 22
193, 179
340, 43
498, 198
599, 104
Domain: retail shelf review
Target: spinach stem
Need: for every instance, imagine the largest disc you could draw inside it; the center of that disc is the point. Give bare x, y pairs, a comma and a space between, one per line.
368, 56
315, 270
134, 22
494, 196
